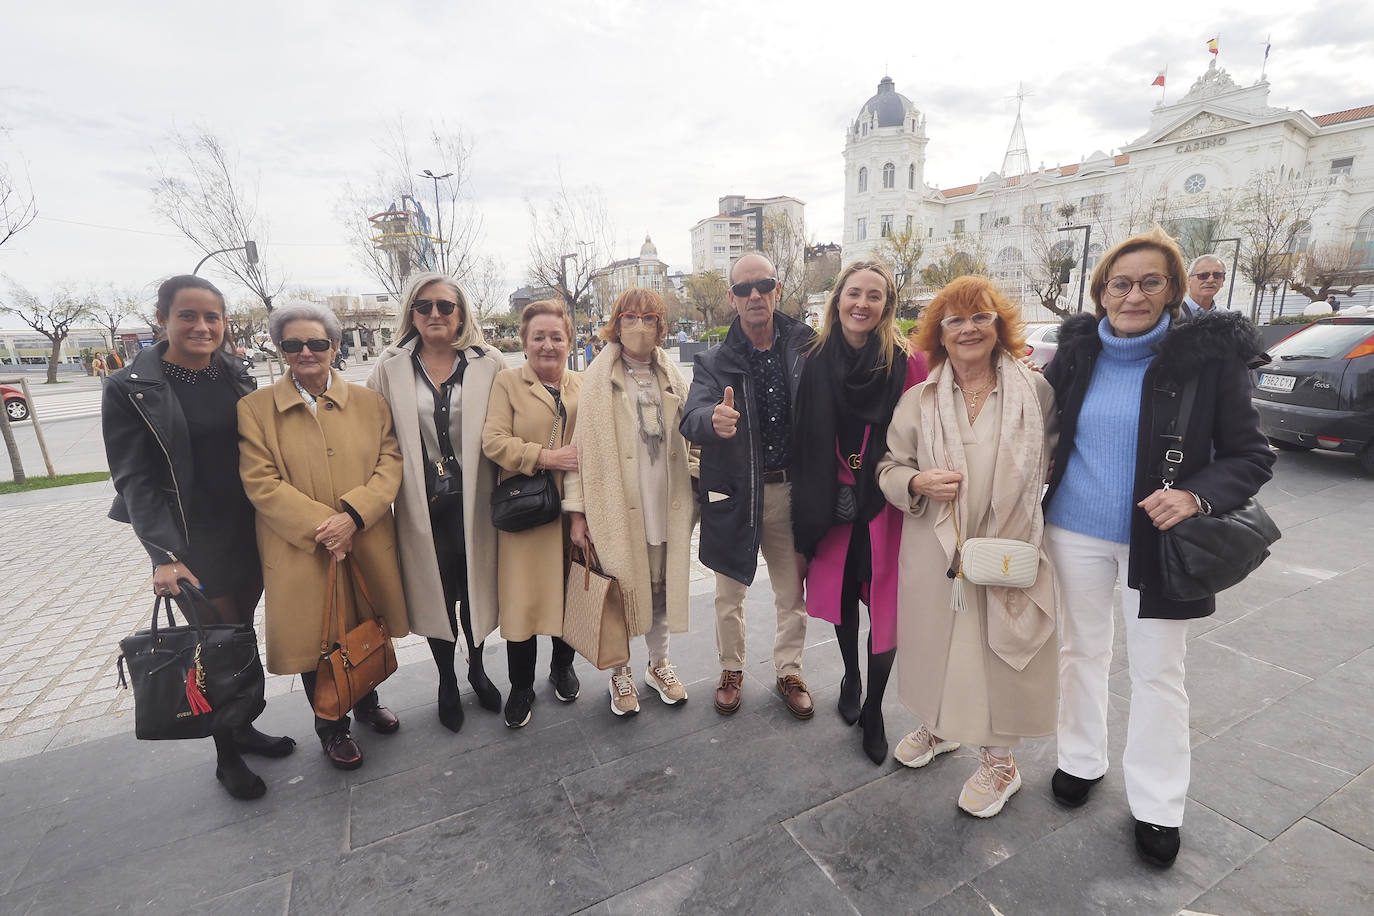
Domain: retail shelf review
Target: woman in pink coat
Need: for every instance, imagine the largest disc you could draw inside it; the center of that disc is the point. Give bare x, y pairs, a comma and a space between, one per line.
856, 371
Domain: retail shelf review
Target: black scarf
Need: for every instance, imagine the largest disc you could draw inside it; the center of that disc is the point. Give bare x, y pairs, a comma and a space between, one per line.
842, 392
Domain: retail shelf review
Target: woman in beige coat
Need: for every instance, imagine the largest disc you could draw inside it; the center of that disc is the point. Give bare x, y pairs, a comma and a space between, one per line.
321, 466
968, 452
437, 380
632, 496
531, 419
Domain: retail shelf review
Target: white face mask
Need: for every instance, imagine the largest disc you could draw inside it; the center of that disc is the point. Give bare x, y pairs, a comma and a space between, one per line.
639, 341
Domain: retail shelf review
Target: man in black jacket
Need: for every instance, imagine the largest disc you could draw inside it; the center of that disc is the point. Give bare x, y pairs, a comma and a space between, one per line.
739, 411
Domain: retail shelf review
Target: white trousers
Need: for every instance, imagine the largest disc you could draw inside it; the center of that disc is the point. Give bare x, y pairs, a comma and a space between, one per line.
1157, 757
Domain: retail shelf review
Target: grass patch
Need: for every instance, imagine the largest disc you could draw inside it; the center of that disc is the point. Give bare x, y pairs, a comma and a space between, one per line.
43, 481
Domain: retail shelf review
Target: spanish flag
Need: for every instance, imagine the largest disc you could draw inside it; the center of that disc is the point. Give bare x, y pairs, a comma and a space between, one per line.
1159, 80
1212, 45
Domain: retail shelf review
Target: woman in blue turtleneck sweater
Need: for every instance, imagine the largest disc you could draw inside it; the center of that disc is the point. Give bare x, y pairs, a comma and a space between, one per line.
1116, 376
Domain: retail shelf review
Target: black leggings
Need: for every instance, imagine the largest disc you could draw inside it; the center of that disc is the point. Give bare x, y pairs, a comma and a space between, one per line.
450, 551
521, 658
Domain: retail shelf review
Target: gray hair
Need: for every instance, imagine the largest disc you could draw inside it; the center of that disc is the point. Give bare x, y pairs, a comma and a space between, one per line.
305, 311
1204, 257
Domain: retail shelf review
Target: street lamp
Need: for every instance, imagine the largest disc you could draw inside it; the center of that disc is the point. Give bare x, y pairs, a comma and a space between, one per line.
572, 304
438, 215
1235, 260
1083, 264
249, 249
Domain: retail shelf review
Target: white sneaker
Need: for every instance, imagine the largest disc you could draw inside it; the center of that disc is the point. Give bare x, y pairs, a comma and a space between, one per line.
663, 678
624, 699
921, 747
988, 789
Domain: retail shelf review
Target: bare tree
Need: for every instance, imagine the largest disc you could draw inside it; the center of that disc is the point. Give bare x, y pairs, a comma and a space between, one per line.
1051, 261
486, 286
1271, 214
902, 251
52, 318
113, 308
1329, 267
245, 320
199, 191
961, 256
417, 211
569, 228
709, 294
784, 243
18, 207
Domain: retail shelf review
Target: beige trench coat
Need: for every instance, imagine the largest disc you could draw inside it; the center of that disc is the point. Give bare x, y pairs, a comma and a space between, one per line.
530, 564
394, 377
612, 506
1020, 702
298, 469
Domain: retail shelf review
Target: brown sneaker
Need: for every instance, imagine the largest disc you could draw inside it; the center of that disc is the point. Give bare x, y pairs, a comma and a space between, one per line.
798, 698
728, 691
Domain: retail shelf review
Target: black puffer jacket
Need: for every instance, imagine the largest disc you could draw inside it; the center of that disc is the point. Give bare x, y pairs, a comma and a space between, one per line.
148, 449
1227, 458
732, 468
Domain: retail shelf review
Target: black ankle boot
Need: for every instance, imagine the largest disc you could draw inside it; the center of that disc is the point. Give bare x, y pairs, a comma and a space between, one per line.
875, 734
1155, 844
1069, 790
249, 740
488, 697
851, 689
450, 706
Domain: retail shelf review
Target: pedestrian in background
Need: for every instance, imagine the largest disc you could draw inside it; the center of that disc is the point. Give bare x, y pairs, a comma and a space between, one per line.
320, 462
631, 495
437, 380
529, 408
170, 424
856, 370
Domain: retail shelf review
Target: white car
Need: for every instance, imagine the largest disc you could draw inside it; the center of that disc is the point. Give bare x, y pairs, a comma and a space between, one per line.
1042, 341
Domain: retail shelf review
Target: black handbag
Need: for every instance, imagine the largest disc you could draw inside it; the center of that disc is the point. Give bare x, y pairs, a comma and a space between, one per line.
443, 480
1206, 554
192, 680
527, 501
846, 504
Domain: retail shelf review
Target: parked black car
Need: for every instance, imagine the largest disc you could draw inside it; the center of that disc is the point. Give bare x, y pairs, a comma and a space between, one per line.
1317, 390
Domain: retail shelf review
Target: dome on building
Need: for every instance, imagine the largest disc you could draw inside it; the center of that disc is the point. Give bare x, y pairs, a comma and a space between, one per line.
647, 250
890, 106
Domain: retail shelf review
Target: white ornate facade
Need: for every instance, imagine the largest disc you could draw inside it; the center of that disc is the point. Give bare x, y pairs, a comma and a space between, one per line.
618, 276
1186, 171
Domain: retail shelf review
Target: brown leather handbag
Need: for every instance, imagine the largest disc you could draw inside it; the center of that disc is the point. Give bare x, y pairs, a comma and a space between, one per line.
360, 660
594, 613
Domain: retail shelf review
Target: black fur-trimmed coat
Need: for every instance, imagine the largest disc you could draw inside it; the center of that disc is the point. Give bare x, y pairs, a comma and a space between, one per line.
1227, 458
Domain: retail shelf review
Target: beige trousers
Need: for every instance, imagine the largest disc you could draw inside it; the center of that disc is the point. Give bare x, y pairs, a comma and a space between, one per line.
784, 572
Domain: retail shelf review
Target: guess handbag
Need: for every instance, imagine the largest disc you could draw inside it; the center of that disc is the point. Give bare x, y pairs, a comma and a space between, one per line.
527, 501
351, 667
594, 613
192, 680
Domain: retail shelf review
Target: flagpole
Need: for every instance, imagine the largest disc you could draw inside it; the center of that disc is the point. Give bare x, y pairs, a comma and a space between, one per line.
1265, 65
1165, 88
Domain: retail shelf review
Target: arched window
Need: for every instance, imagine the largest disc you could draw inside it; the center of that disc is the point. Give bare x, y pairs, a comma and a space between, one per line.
911, 176
1364, 239
889, 175
863, 179
1302, 238
1009, 264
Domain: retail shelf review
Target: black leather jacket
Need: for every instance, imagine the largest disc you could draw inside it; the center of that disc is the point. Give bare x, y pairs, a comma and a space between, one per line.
148, 449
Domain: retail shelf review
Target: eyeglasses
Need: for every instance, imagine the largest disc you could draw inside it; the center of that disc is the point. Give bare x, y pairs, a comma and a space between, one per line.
1120, 287
764, 286
977, 319
316, 345
630, 319
1215, 275
425, 306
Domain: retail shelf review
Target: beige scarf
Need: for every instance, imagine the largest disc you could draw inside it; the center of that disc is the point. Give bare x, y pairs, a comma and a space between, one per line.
1019, 620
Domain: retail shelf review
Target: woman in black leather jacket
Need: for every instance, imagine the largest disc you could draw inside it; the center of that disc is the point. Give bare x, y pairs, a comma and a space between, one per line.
170, 425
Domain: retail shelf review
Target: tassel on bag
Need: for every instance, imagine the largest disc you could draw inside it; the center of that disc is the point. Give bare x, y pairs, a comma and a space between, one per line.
957, 599
195, 683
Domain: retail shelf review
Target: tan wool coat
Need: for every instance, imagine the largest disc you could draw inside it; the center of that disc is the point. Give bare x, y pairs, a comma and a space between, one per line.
1022, 701
394, 377
606, 487
530, 564
298, 469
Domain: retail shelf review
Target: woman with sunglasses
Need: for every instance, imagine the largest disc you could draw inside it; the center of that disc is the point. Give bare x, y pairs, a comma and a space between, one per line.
437, 380
631, 496
170, 423
1116, 376
321, 465
857, 368
967, 455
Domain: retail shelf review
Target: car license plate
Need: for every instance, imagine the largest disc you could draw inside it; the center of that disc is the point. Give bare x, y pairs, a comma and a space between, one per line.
1270, 382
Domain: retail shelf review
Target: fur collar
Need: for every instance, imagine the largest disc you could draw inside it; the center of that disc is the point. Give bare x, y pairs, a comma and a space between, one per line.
1188, 345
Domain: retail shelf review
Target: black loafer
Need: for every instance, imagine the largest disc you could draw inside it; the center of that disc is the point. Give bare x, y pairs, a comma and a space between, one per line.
566, 686
382, 720
1071, 791
1156, 845
343, 751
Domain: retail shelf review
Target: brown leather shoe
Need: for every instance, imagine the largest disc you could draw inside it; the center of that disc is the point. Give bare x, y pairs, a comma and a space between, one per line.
382, 720
728, 692
797, 697
343, 751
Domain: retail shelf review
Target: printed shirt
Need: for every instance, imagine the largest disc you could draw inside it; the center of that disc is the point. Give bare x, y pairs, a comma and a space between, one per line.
771, 402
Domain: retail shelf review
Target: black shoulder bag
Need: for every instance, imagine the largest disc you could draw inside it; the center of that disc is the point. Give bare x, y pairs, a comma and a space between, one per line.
1206, 554
526, 501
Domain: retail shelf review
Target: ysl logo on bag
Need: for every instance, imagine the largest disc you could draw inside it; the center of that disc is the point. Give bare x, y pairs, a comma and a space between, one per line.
1006, 564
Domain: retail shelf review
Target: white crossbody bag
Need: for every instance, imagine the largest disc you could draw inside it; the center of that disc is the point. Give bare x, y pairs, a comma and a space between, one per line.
991, 561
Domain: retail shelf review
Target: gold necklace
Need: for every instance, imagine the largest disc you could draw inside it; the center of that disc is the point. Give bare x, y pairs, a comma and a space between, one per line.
972, 408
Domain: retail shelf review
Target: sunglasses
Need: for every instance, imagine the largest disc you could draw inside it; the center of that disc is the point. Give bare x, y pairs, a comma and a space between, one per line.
425, 306
316, 345
764, 286
1215, 275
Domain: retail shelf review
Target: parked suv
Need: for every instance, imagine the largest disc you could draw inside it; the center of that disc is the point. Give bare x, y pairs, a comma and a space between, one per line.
1317, 390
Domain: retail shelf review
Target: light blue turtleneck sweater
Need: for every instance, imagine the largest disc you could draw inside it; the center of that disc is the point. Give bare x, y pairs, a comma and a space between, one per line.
1095, 496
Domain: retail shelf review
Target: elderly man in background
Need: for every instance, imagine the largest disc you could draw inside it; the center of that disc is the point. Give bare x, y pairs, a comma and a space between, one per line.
1206, 275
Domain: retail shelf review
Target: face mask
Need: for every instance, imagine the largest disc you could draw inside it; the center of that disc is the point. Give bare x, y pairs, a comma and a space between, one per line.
639, 342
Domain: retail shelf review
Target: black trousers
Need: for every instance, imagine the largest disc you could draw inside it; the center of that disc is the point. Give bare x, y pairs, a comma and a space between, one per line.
326, 727
521, 657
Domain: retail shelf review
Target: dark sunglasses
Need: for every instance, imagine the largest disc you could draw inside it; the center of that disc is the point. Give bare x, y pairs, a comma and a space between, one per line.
764, 286
425, 306
1215, 275
316, 345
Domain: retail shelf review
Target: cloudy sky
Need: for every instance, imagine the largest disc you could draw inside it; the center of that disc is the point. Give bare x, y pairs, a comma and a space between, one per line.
663, 106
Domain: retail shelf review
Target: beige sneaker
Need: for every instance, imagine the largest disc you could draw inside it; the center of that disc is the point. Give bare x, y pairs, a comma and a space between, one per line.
663, 678
988, 789
921, 747
624, 699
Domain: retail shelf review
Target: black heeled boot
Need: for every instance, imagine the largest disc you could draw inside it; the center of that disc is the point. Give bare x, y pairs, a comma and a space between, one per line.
232, 773
875, 733
249, 740
488, 697
450, 705
851, 692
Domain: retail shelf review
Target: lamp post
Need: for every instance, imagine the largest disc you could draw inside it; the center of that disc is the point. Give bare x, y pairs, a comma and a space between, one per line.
1235, 261
249, 249
572, 305
1082, 264
438, 218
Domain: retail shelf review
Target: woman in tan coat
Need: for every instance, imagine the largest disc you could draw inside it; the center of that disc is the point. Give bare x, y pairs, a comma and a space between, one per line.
632, 496
531, 417
321, 466
968, 451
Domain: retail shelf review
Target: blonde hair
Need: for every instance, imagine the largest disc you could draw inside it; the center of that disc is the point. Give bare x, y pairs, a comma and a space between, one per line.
889, 335
469, 332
